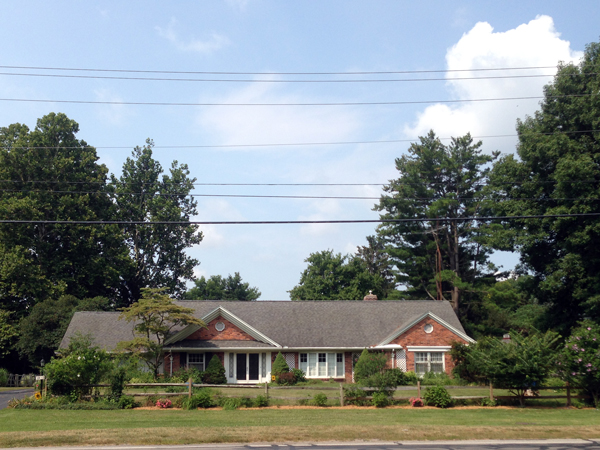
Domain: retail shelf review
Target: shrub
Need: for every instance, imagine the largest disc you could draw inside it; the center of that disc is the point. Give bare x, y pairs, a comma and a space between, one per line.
215, 372
380, 399
279, 366
184, 374
319, 400
201, 399
164, 403
3, 377
488, 402
299, 375
126, 402
369, 364
231, 403
415, 402
353, 395
117, 384
410, 377
438, 396
432, 379
286, 379
261, 401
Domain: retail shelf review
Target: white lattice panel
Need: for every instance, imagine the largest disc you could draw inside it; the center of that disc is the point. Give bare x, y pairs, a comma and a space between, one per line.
290, 359
401, 360
355, 356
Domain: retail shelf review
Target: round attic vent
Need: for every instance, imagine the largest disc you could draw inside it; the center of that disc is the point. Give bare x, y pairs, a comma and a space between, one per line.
428, 328
219, 326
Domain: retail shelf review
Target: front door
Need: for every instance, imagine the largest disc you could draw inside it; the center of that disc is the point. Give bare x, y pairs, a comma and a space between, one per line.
247, 367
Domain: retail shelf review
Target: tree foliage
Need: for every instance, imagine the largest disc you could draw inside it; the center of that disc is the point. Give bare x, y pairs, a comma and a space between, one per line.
215, 372
44, 327
437, 259
144, 193
331, 276
519, 365
154, 315
557, 171
8, 332
279, 365
43, 172
219, 288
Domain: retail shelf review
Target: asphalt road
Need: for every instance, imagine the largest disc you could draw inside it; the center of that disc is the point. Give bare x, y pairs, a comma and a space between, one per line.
6, 396
555, 444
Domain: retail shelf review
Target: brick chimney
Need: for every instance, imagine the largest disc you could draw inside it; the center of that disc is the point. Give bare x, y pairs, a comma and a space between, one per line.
370, 297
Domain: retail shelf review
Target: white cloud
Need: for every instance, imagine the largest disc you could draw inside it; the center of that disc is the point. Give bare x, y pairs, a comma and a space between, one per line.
534, 44
240, 5
213, 43
275, 124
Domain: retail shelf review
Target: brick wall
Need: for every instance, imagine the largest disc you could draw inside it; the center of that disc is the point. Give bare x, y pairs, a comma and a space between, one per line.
167, 363
417, 336
231, 332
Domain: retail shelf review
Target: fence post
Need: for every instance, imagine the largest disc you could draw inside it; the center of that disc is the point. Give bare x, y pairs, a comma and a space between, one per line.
491, 392
267, 390
418, 388
190, 381
568, 394
341, 394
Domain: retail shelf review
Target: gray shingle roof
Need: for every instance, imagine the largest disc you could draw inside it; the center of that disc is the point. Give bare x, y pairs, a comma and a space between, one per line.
302, 324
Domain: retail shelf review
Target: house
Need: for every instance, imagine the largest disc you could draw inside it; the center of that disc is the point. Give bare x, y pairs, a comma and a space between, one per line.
323, 338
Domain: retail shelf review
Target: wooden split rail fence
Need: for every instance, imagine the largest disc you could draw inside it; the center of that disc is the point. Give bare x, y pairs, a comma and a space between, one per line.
340, 390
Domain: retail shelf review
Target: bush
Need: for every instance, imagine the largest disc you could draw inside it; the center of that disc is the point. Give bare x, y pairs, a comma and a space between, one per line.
353, 395
410, 378
280, 366
184, 374
299, 375
231, 403
3, 377
319, 400
488, 402
369, 364
260, 401
438, 396
164, 403
380, 399
415, 402
285, 379
201, 399
433, 379
215, 372
117, 384
127, 402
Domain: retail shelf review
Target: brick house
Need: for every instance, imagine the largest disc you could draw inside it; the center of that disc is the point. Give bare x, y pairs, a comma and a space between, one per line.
323, 338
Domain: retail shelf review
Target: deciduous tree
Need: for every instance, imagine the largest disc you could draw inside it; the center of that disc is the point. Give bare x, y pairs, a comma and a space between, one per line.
219, 288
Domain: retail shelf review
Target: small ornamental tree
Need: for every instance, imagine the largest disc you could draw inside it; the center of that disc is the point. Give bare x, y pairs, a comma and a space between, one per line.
155, 315
369, 364
579, 361
215, 372
519, 365
279, 366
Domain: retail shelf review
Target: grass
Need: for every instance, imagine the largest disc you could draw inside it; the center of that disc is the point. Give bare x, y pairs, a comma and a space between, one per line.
30, 428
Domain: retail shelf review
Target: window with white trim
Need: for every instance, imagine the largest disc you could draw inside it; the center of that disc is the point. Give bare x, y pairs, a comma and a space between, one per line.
429, 362
196, 360
322, 365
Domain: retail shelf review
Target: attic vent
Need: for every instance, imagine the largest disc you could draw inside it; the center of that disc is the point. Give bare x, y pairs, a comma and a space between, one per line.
219, 326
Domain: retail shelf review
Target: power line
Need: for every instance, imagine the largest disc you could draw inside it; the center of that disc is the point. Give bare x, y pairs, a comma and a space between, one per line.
245, 80
407, 102
295, 144
309, 197
290, 222
278, 73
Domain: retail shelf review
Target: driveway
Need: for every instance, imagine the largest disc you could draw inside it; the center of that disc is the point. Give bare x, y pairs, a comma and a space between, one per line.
6, 396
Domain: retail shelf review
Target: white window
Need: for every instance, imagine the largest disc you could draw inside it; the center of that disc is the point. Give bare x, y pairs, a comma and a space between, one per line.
322, 365
429, 362
196, 360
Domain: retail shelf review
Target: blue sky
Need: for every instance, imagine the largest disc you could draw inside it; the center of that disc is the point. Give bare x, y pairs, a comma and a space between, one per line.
268, 38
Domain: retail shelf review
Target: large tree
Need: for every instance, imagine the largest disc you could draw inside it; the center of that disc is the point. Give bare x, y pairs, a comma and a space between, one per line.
437, 258
220, 288
48, 174
144, 193
557, 171
331, 276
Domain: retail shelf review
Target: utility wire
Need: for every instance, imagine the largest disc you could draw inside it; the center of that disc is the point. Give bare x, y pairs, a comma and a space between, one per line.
424, 199
277, 73
290, 222
407, 102
294, 144
242, 80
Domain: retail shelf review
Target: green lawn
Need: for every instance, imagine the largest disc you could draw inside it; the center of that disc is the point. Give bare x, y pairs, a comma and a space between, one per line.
143, 427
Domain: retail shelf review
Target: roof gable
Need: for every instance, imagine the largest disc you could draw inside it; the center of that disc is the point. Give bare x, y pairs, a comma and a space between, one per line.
225, 314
